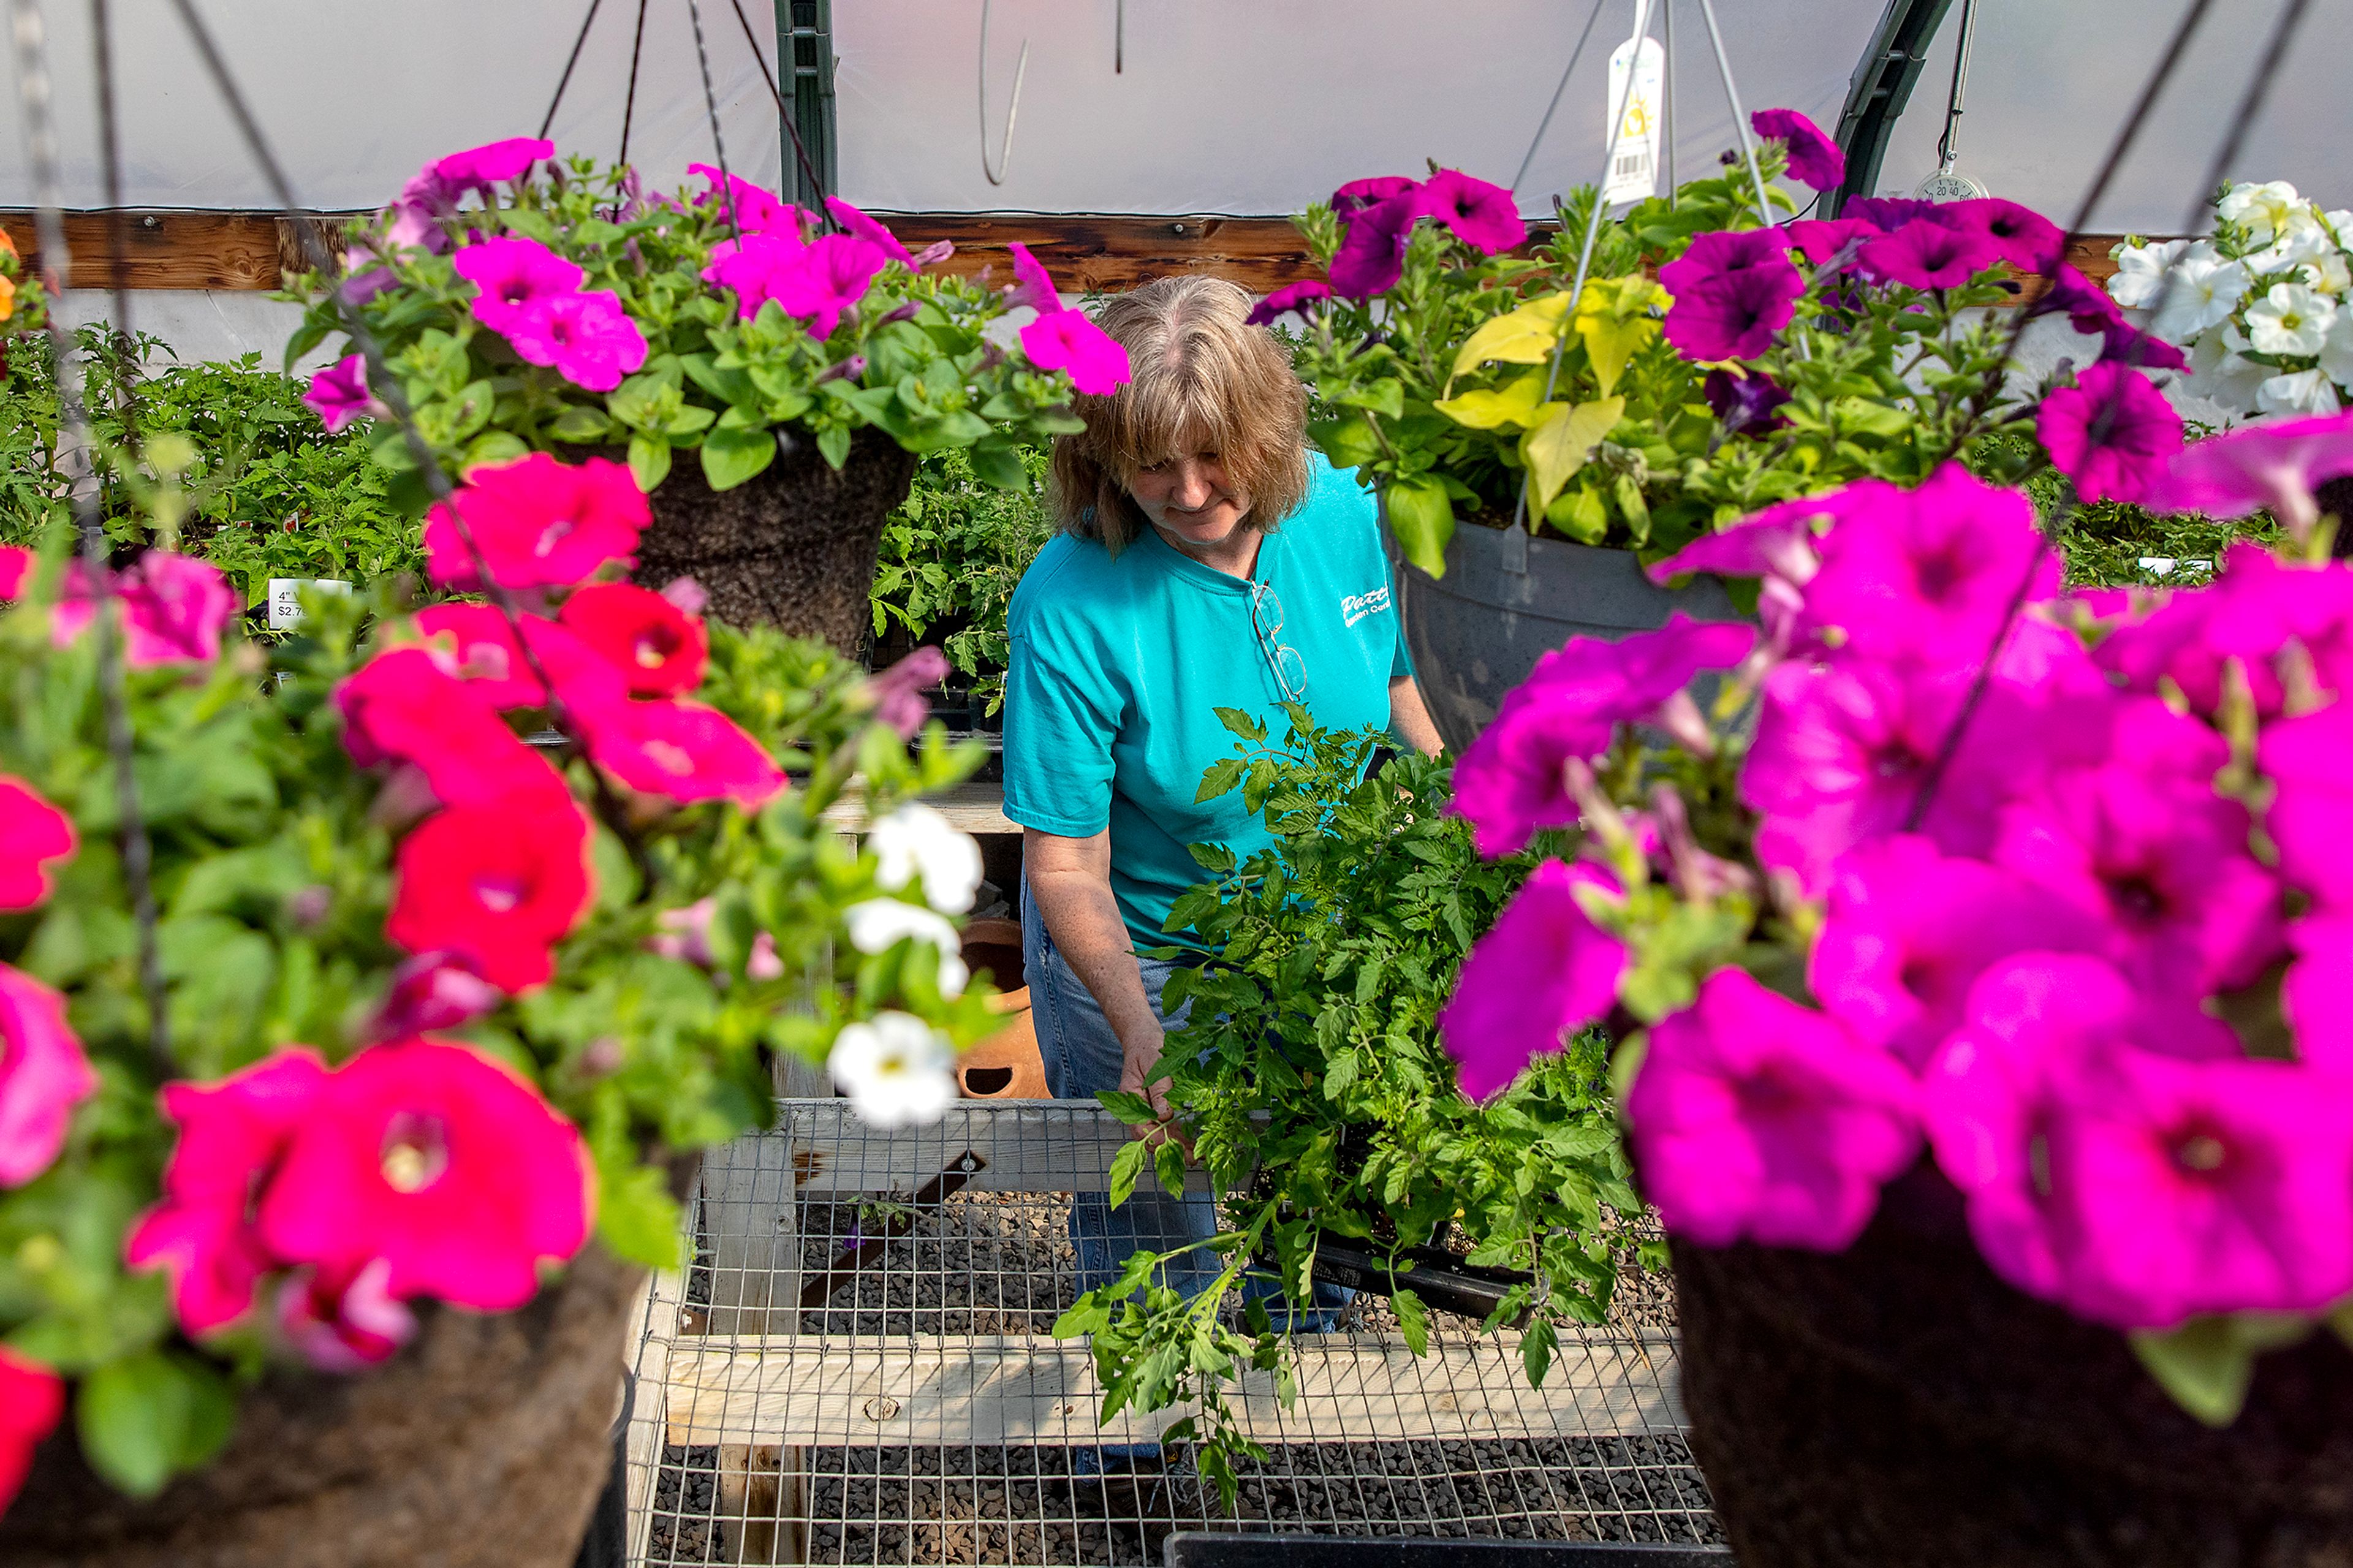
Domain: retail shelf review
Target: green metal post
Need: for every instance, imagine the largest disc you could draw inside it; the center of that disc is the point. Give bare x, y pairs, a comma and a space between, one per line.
804, 48
1882, 85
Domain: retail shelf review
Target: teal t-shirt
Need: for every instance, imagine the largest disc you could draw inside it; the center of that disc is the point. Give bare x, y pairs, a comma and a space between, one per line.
1119, 664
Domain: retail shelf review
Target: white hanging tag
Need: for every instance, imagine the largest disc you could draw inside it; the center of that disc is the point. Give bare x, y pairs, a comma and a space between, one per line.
286, 598
1634, 166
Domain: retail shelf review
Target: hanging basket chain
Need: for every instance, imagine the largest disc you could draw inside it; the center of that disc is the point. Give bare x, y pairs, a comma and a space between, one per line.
389, 390
1566, 71
711, 107
569, 61
76, 456
784, 112
2250, 103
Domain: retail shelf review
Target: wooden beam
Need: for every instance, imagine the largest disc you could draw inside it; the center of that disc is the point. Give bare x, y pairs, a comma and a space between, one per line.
957, 1389
244, 250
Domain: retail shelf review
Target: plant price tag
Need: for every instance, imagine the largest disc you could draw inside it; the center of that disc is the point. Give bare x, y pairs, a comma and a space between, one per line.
1634, 165
286, 597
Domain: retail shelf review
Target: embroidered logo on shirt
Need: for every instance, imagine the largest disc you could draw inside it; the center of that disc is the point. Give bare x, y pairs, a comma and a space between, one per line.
1355, 607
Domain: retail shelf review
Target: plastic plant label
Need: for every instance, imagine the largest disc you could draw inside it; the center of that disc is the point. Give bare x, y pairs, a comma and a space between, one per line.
286, 597
1634, 165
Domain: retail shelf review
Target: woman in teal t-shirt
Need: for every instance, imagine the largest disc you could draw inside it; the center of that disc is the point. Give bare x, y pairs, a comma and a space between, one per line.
1208, 560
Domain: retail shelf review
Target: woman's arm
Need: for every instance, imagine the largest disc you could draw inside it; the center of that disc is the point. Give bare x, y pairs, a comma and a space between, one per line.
1410, 718
1070, 880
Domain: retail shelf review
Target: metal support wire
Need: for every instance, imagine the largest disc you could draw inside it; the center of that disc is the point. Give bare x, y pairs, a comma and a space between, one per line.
1667, 96
1949, 144
387, 389
630, 103
784, 111
110, 151
1566, 71
77, 453
1739, 116
569, 61
711, 105
1012, 111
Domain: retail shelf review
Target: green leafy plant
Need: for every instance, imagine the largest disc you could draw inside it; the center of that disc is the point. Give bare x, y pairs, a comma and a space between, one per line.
1310, 1083
951, 557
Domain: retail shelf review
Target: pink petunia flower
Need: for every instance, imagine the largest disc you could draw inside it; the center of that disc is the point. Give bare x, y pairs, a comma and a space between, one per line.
898, 692
1929, 254
865, 228
1755, 1119
499, 885
2246, 620
341, 1318
1357, 196
1824, 239
480, 168
1032, 285
659, 649
443, 1163
172, 609
2275, 465
339, 393
1908, 929
32, 1403
403, 706
752, 268
2309, 761
682, 751
510, 274
33, 835
232, 1135
587, 338
1814, 159
2317, 993
2113, 433
1510, 783
1371, 258
1733, 291
1541, 974
430, 993
416, 215
827, 280
2086, 305
1067, 340
16, 565
1888, 214
474, 643
539, 523
2133, 1188
756, 210
1291, 297
1482, 215
43, 1075
2016, 234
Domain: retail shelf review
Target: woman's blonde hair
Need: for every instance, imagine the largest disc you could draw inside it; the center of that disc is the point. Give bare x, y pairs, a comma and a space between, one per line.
1205, 381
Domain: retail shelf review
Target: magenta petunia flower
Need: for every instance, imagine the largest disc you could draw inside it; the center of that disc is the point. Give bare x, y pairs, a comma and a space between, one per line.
1929, 254
2014, 233
827, 280
1908, 929
1757, 1120
340, 1318
442, 1163
1888, 214
430, 993
1371, 258
2309, 761
173, 609
1544, 972
43, 1075
2137, 1189
338, 394
756, 210
588, 338
32, 1403
2275, 465
1746, 405
898, 692
1032, 285
1814, 159
2317, 993
2249, 619
232, 1134
658, 648
511, 274
2123, 343
401, 707
1358, 195
1509, 783
480, 168
1733, 291
682, 751
2086, 305
33, 835
1067, 340
1927, 574
1289, 298
863, 228
539, 523
1483, 216
16, 565
1823, 239
2113, 433
474, 643
499, 885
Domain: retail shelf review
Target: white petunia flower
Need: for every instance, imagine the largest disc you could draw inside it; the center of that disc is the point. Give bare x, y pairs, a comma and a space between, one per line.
2340, 224
2300, 240
2206, 289
2260, 208
2336, 352
897, 1071
2305, 392
2329, 275
2290, 320
916, 841
2140, 272
878, 925
2221, 373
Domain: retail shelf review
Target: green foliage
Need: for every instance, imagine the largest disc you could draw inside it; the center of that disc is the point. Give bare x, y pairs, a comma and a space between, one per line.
1311, 1084
951, 557
2104, 543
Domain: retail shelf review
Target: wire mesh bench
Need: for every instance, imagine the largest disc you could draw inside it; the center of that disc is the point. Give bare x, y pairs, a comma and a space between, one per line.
859, 1367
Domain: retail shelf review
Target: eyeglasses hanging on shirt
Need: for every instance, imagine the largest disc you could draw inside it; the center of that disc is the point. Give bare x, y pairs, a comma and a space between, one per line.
1266, 620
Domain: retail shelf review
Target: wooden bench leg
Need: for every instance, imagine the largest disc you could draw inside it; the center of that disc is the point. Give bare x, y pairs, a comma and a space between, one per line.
764, 1502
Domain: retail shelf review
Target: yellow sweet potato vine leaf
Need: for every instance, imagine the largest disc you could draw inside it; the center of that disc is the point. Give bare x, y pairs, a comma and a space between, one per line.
1560, 439
1614, 318
1525, 336
1483, 410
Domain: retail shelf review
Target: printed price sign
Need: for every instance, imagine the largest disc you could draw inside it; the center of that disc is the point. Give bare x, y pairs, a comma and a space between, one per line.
286, 597
1638, 75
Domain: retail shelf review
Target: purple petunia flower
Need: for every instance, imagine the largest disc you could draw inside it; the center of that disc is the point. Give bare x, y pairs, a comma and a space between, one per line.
1814, 159
2015, 233
898, 692
2085, 304
1543, 972
588, 338
2276, 465
1733, 291
1067, 340
1929, 253
1032, 285
511, 273
2125, 344
1888, 214
2309, 761
1483, 216
2111, 433
2316, 993
1357, 194
756, 210
1757, 1120
864, 227
1371, 259
1289, 296
1746, 405
339, 394
1824, 238
480, 168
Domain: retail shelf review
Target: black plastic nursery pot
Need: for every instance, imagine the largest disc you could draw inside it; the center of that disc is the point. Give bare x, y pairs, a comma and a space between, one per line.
1896, 1406
793, 547
483, 1444
1475, 633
